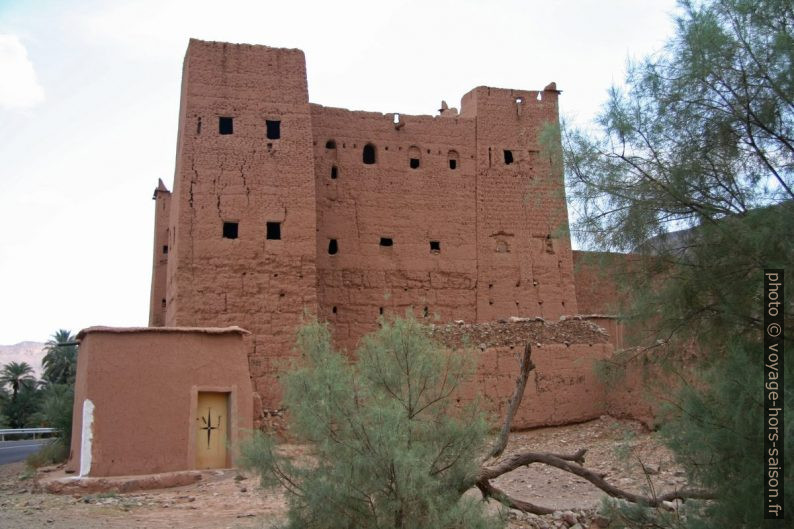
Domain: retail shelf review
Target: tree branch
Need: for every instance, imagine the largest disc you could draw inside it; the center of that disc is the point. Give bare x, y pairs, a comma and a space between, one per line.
518, 393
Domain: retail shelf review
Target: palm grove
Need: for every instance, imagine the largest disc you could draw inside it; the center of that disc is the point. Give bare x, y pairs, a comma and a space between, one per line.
27, 402
689, 168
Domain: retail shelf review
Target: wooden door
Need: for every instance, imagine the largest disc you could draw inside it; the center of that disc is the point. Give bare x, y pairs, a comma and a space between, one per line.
212, 419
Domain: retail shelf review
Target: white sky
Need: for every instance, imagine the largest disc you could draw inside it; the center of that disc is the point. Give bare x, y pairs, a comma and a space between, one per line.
89, 96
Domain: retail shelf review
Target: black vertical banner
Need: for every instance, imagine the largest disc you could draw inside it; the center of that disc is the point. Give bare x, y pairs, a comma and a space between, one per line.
773, 394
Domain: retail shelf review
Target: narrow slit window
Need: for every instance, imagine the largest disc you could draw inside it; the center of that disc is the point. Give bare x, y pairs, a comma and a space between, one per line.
508, 157
273, 129
165, 249
273, 231
334, 172
386, 241
229, 230
435, 246
225, 125
334, 309
330, 144
368, 155
333, 247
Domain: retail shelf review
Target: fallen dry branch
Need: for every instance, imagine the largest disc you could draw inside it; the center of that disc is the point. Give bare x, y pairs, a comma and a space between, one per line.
572, 463
515, 401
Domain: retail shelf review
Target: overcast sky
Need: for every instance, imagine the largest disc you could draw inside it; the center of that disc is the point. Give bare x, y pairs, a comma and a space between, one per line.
89, 100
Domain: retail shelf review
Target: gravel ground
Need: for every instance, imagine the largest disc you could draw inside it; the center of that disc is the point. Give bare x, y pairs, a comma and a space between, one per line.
227, 499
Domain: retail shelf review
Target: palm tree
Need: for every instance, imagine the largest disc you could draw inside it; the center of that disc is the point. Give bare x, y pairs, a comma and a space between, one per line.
16, 374
60, 360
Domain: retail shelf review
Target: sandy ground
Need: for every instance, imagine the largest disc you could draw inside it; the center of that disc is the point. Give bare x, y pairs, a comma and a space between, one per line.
227, 499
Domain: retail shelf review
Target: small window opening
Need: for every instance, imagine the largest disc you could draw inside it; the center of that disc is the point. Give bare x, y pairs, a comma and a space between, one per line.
519, 100
396, 118
225, 125
380, 311
333, 247
333, 309
273, 129
334, 172
425, 312
435, 246
198, 126
368, 156
453, 159
508, 157
414, 155
540, 96
330, 144
229, 230
165, 249
386, 241
162, 303
274, 231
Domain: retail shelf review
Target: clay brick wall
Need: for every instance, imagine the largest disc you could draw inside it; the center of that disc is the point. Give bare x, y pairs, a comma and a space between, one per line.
157, 302
523, 251
243, 177
411, 206
563, 388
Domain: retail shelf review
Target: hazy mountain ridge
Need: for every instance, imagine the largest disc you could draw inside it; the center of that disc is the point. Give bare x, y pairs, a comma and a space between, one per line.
30, 352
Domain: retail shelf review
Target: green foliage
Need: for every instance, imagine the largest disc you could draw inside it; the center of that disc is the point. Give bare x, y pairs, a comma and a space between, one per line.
390, 448
60, 360
702, 141
16, 375
21, 410
52, 453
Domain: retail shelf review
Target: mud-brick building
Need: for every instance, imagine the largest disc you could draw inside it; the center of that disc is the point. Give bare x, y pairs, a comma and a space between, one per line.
281, 206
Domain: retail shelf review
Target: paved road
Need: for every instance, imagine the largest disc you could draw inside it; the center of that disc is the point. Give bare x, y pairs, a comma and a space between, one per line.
13, 451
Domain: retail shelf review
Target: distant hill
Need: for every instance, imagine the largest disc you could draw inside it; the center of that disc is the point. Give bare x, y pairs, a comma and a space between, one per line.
30, 352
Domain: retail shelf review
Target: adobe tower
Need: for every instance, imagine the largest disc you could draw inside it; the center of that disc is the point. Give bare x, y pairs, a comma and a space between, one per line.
281, 206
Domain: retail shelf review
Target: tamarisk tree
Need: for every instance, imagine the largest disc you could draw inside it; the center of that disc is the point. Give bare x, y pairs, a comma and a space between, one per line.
691, 166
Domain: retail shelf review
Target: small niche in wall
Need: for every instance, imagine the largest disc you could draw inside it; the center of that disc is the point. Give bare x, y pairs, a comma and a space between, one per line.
386, 241
225, 125
333, 309
368, 155
330, 144
333, 247
435, 246
273, 131
508, 157
273, 231
230, 230
163, 303
334, 172
425, 312
380, 311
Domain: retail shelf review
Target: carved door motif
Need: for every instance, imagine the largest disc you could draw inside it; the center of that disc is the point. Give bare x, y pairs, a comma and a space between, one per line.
211, 423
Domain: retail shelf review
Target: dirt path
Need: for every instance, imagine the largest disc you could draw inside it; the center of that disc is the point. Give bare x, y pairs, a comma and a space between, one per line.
226, 499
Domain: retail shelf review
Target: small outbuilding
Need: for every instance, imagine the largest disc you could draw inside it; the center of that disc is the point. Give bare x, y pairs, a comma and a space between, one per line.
159, 399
